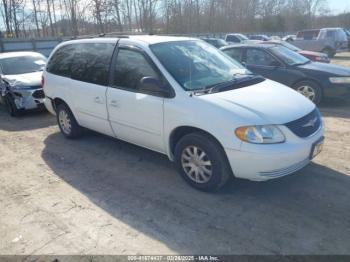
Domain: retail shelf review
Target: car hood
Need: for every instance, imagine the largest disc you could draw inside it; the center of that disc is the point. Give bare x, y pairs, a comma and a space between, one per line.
326, 68
265, 103
311, 53
30, 79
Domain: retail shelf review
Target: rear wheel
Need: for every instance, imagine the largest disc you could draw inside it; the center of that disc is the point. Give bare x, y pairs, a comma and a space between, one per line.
202, 162
67, 122
310, 90
329, 51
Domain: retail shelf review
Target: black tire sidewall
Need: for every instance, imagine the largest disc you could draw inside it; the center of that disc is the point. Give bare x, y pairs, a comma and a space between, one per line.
11, 106
317, 89
214, 153
75, 128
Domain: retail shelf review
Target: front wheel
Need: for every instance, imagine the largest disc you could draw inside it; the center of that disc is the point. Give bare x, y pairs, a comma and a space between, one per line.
202, 162
11, 107
310, 90
67, 123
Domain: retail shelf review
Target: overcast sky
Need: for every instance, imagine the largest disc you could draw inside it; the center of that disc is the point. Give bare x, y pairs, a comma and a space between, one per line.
339, 6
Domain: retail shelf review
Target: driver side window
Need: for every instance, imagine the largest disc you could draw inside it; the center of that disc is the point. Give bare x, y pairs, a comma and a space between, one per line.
131, 67
256, 57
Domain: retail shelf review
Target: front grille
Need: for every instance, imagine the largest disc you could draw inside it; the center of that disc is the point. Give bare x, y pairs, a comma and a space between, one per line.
307, 125
39, 94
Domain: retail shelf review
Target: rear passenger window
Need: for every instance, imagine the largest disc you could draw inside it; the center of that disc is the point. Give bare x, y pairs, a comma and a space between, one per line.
235, 53
259, 58
130, 68
60, 62
91, 62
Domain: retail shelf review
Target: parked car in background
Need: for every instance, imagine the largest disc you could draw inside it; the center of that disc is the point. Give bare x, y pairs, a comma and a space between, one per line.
347, 32
236, 39
314, 80
217, 42
184, 98
259, 37
289, 38
313, 56
20, 87
327, 40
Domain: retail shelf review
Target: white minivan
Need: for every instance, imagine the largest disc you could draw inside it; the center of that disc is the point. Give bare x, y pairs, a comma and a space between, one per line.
186, 99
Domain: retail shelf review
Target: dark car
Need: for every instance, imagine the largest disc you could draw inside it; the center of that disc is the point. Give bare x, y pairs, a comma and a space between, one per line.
314, 56
278, 63
347, 32
259, 37
217, 42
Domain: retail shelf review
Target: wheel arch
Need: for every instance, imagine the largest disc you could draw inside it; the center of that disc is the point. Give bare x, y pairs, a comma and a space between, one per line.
181, 131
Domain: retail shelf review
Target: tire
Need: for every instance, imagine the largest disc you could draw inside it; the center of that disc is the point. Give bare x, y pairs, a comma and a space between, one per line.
11, 107
67, 123
207, 178
329, 51
310, 90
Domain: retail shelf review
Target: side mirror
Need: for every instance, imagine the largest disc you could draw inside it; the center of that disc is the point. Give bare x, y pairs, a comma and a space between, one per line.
154, 86
244, 64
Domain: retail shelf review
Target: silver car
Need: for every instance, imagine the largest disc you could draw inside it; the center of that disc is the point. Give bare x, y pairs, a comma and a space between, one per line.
20, 82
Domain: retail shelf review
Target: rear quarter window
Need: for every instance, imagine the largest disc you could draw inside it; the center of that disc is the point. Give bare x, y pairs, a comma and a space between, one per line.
86, 62
61, 60
91, 62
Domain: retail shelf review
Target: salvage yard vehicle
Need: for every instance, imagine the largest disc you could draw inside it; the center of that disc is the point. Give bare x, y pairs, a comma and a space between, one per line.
327, 40
259, 37
20, 87
313, 56
237, 39
217, 42
313, 80
186, 99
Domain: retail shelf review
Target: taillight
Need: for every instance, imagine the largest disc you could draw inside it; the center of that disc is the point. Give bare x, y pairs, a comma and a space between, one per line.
42, 82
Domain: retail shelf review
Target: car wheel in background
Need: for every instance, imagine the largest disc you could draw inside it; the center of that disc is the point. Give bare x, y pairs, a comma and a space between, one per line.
67, 122
310, 90
11, 106
329, 51
202, 162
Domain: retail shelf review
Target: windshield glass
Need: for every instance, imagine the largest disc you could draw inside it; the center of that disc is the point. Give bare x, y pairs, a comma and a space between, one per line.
196, 65
291, 47
242, 37
288, 56
23, 64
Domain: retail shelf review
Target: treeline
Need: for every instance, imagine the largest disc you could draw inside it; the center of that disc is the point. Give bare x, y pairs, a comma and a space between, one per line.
58, 18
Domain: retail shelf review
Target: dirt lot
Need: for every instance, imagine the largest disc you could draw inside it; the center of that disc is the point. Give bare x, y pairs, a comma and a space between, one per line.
98, 195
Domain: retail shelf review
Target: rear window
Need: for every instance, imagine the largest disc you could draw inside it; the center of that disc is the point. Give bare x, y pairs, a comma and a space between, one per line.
22, 64
87, 62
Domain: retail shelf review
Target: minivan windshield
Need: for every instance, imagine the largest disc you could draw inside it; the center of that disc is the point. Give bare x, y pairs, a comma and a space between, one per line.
288, 56
22, 64
196, 65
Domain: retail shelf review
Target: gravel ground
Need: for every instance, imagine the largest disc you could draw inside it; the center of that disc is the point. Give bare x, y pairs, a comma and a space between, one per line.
98, 195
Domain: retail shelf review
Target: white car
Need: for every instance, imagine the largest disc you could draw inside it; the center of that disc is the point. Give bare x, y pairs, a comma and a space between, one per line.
20, 81
184, 98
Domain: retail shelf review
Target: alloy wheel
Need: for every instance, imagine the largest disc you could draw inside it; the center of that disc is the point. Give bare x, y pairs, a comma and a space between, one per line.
307, 91
196, 164
65, 122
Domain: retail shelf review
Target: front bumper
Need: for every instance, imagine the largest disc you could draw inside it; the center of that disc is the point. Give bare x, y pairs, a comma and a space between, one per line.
265, 162
337, 90
27, 99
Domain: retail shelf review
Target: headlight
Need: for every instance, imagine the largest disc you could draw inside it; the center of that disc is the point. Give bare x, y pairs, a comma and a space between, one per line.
268, 134
340, 80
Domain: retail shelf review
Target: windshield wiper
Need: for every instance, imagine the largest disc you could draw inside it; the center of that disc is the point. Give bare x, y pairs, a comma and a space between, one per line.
218, 87
234, 82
